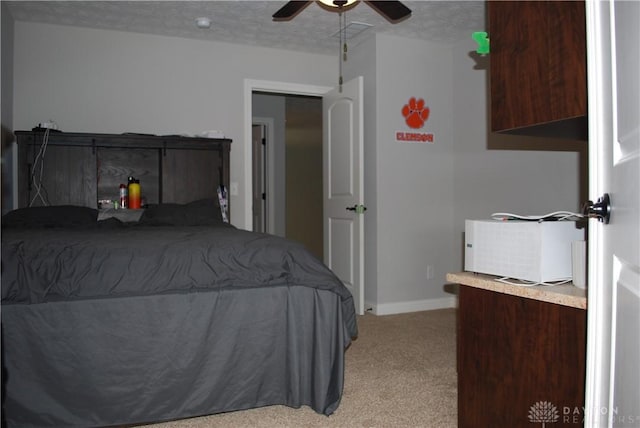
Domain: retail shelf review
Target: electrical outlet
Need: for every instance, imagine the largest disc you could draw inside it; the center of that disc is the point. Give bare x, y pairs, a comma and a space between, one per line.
429, 272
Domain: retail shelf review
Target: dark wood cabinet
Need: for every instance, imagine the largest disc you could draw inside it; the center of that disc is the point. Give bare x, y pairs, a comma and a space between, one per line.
82, 169
520, 361
538, 78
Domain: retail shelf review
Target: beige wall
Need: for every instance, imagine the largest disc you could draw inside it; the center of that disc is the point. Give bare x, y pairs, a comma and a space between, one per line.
304, 172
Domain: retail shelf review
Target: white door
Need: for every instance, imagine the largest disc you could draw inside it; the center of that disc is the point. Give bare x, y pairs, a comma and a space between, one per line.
343, 191
613, 338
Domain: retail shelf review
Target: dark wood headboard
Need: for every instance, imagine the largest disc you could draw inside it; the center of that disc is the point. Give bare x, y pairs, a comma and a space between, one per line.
82, 169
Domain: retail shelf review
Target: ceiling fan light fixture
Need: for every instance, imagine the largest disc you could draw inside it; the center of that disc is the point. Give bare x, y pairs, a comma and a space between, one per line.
337, 5
392, 10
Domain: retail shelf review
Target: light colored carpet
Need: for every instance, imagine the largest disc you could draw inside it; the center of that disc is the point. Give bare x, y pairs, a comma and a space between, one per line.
400, 372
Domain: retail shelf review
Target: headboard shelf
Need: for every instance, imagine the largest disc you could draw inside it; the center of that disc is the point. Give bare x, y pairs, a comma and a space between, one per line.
83, 168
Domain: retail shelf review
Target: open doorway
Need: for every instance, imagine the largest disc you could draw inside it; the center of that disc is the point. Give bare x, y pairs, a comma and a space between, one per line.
287, 167
348, 259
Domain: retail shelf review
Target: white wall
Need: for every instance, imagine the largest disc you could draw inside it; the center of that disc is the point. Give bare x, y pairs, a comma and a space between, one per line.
6, 87
90, 80
415, 187
6, 108
408, 186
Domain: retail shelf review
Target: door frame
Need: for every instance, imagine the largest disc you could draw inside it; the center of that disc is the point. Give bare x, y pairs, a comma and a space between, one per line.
250, 86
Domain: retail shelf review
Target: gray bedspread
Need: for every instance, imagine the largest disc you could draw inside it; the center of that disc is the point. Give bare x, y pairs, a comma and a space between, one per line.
121, 325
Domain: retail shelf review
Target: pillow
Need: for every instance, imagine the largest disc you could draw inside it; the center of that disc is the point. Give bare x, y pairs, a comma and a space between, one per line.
51, 216
204, 212
124, 215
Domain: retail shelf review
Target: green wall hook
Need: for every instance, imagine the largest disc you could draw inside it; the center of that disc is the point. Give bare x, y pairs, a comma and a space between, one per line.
483, 42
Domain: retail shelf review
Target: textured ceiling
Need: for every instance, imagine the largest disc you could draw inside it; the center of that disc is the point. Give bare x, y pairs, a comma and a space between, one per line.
249, 22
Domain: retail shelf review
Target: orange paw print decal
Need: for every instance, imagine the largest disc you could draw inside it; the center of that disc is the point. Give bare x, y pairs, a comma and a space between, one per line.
415, 113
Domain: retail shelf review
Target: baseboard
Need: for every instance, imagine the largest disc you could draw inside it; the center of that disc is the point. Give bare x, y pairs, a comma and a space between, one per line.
412, 306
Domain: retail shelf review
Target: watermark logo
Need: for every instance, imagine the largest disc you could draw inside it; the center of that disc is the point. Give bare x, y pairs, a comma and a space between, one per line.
543, 412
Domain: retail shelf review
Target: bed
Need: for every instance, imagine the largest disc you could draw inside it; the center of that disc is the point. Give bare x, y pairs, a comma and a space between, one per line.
178, 314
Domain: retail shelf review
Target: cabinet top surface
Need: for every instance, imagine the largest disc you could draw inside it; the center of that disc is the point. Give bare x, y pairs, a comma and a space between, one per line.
125, 139
565, 295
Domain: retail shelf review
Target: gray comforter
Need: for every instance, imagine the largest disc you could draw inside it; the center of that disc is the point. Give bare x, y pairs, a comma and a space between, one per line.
112, 325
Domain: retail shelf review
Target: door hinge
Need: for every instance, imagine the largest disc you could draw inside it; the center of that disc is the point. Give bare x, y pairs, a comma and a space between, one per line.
264, 141
264, 196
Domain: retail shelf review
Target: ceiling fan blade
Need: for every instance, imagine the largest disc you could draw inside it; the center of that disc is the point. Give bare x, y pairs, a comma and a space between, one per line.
393, 11
289, 10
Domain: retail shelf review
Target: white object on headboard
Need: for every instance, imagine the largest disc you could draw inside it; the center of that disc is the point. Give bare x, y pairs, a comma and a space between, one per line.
222, 198
211, 134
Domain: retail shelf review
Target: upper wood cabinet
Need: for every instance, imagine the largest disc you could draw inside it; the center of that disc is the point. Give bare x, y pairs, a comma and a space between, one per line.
538, 68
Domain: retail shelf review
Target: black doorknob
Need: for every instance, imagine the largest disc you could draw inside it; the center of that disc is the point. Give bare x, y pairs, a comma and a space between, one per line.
357, 208
600, 210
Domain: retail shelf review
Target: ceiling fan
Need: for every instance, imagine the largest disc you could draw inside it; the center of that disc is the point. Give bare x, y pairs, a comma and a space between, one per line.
393, 11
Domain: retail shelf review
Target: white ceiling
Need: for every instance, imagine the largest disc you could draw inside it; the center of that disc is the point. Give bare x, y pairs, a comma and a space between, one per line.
249, 22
